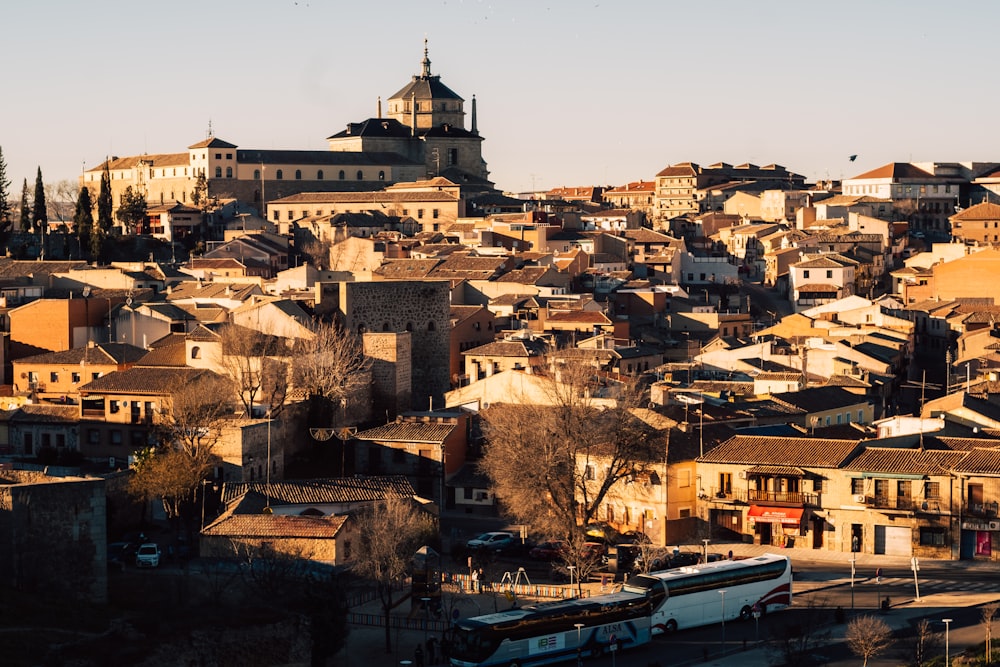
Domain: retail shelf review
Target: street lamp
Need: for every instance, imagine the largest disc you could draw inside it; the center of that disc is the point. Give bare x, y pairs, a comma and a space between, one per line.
571, 568
706, 541
723, 594
854, 561
947, 652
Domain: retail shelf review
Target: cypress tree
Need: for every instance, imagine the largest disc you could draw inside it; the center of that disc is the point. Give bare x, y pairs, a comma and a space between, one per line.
39, 213
5, 205
83, 219
25, 213
105, 203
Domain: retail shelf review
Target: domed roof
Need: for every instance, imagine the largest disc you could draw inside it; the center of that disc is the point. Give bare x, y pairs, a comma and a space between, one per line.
426, 86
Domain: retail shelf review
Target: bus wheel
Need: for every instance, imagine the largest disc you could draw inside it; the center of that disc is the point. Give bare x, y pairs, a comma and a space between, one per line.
670, 627
746, 613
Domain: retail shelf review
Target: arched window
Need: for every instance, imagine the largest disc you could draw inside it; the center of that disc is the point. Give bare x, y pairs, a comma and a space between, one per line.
342, 175
409, 326
361, 328
361, 175
298, 174
218, 172
256, 174
430, 325
196, 352
385, 326
229, 172
381, 175
319, 175
280, 175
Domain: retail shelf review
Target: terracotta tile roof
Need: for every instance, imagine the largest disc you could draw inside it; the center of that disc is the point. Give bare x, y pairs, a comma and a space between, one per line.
277, 525
144, 380
406, 269
682, 169
817, 287
817, 399
634, 186
781, 471
894, 170
381, 198
980, 461
529, 275
330, 490
429, 432
166, 355
579, 316
769, 450
101, 353
904, 461
49, 413
824, 262
983, 211
509, 348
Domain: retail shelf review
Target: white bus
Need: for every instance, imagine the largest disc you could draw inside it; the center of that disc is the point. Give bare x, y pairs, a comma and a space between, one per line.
553, 631
687, 597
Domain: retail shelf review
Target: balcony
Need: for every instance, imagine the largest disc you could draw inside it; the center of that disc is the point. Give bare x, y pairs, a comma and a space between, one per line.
982, 510
782, 497
904, 503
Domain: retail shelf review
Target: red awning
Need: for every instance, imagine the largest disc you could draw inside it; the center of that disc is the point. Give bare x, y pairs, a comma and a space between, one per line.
791, 516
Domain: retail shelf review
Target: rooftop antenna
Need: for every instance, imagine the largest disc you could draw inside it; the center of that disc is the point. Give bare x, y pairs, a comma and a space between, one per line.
209, 135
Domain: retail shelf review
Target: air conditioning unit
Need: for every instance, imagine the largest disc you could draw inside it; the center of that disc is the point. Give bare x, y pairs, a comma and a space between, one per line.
994, 525
859, 497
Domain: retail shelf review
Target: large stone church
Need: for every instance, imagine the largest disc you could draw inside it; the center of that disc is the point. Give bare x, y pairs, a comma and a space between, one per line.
423, 136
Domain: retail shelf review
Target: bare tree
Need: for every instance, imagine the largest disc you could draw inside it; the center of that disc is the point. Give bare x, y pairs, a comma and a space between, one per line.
868, 637
251, 360
986, 614
60, 197
801, 633
579, 449
390, 533
927, 642
189, 424
332, 370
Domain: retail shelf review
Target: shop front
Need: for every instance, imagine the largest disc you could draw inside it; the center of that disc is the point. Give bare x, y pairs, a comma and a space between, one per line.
977, 539
775, 526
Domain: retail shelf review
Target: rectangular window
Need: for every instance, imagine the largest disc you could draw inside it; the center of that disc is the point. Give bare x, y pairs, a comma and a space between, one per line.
805, 273
857, 486
725, 483
588, 472
420, 212
467, 493
218, 156
93, 436
829, 273
116, 437
434, 213
685, 513
932, 490
53, 377
931, 537
75, 377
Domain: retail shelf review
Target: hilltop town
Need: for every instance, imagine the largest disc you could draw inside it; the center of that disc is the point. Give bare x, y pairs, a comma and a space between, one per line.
251, 348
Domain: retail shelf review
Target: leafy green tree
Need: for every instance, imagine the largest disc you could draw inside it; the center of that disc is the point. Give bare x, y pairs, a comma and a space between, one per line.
25, 212
132, 210
83, 218
4, 193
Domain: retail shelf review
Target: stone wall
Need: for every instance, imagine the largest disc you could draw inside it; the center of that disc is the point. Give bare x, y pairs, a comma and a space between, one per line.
54, 537
419, 307
391, 355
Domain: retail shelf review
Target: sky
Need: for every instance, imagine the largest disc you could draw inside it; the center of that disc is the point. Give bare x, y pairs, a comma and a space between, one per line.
569, 93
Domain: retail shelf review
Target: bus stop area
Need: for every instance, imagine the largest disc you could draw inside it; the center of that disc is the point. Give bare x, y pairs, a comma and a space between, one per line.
413, 626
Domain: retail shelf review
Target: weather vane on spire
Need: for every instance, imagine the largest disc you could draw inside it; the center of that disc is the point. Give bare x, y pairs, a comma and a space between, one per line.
427, 61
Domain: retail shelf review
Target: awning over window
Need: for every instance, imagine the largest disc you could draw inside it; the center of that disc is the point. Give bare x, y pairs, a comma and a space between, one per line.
791, 516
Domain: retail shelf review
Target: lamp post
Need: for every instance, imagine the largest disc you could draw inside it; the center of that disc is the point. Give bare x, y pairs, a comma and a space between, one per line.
947, 647
706, 541
204, 483
854, 561
267, 483
579, 649
571, 568
723, 594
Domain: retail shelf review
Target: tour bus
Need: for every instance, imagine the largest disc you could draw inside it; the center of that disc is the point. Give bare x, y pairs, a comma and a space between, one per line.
553, 631
687, 597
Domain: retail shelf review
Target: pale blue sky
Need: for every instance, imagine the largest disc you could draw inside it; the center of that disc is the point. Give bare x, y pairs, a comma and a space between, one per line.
569, 93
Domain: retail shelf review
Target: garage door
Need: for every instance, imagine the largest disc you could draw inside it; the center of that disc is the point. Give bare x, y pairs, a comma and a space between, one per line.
893, 541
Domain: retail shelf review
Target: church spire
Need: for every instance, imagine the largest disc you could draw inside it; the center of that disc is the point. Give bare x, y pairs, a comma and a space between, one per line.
426, 62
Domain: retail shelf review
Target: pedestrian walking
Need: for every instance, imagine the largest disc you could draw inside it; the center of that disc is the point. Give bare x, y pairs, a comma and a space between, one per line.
475, 581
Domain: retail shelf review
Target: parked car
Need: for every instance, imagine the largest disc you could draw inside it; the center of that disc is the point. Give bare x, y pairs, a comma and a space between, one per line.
148, 555
547, 551
492, 541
